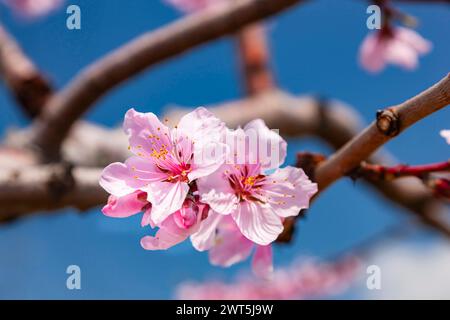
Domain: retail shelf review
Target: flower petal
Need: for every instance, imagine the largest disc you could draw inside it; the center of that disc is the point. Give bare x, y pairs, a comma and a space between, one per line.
372, 52
258, 222
145, 133
201, 126
266, 146
147, 218
204, 238
446, 135
122, 207
120, 179
289, 190
216, 191
166, 198
414, 40
231, 247
168, 235
262, 264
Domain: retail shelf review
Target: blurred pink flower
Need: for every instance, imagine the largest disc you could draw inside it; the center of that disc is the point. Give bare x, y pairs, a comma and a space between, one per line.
401, 46
189, 6
446, 135
299, 281
165, 159
33, 8
258, 202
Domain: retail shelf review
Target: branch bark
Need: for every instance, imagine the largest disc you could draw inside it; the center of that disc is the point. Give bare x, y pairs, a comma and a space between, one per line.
254, 59
29, 87
65, 108
390, 122
45, 188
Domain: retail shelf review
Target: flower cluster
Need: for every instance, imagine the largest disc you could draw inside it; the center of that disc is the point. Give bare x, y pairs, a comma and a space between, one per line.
305, 280
221, 188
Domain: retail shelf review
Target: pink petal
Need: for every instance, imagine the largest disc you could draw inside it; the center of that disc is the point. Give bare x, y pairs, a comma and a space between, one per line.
205, 162
168, 235
414, 40
33, 8
204, 238
166, 198
266, 147
446, 135
125, 206
190, 6
290, 191
401, 54
262, 263
372, 53
201, 125
120, 179
230, 248
258, 222
147, 219
145, 132
216, 191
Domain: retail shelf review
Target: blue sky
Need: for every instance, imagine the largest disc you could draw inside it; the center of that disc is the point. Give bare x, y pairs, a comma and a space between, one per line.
314, 50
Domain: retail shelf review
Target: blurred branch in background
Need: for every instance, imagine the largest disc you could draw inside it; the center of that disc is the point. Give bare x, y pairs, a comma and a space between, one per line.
255, 59
28, 85
66, 107
46, 188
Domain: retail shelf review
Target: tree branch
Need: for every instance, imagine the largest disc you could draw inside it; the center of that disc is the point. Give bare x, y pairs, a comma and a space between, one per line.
390, 122
69, 105
29, 87
45, 188
254, 59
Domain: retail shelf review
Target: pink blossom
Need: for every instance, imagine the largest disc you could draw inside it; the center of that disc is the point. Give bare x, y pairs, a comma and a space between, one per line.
258, 202
128, 205
227, 246
400, 46
177, 227
166, 159
33, 8
299, 281
446, 135
189, 6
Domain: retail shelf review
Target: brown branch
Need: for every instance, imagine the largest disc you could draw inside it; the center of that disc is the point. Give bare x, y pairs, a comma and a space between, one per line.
254, 59
387, 173
44, 188
29, 87
390, 122
65, 108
